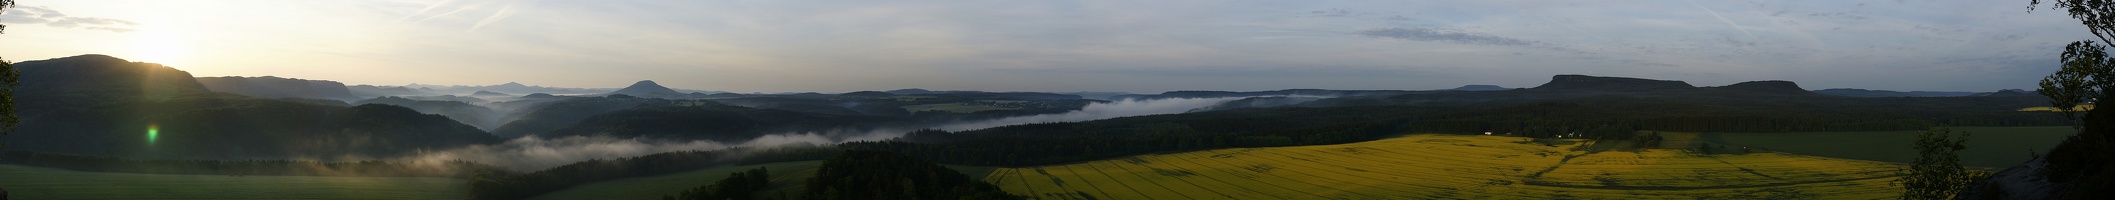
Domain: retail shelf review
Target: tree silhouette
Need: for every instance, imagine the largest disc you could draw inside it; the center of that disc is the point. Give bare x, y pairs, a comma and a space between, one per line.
3, 9
2080, 167
1938, 173
2087, 75
8, 80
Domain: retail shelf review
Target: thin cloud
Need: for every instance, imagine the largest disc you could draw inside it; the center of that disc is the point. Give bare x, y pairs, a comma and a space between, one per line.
1429, 34
53, 18
507, 8
1722, 18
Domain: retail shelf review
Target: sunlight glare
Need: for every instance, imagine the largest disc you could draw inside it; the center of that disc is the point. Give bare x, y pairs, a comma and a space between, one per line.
153, 131
159, 45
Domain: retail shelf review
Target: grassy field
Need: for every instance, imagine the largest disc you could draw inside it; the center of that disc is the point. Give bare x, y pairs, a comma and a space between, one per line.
785, 177
24, 182
1994, 147
953, 107
1453, 167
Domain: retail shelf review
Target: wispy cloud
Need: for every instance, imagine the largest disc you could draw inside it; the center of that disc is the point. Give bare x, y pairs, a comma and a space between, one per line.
1457, 36
1722, 18
53, 18
505, 9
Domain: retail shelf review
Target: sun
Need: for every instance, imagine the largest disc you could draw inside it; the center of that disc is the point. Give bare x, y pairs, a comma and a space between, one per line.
159, 46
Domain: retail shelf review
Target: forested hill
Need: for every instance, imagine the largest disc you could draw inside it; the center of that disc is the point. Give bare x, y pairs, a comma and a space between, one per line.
473, 115
276, 87
89, 79
105, 106
1571, 106
714, 122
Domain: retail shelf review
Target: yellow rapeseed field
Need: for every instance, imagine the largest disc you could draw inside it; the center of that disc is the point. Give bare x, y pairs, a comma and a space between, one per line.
2053, 109
1430, 166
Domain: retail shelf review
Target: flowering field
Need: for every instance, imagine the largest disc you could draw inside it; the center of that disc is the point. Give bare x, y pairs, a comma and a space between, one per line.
1429, 166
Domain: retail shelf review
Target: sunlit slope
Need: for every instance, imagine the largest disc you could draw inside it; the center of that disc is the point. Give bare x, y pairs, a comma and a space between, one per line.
23, 182
1452, 167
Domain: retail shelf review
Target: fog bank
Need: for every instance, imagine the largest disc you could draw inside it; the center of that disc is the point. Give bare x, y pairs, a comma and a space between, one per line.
1099, 111
535, 153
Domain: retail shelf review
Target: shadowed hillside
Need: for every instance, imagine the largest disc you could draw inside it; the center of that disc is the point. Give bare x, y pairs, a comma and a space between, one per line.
544, 117
101, 105
473, 115
276, 87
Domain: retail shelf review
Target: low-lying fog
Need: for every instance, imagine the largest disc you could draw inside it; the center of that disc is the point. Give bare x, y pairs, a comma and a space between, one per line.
533, 153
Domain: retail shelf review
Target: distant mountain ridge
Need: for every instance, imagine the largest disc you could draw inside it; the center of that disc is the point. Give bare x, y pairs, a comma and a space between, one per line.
369, 91
277, 87
509, 87
1771, 87
1853, 92
1479, 88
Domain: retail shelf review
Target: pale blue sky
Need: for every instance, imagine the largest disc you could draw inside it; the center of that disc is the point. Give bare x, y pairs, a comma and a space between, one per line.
776, 46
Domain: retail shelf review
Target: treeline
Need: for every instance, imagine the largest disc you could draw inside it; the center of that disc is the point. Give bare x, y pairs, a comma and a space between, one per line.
241, 167
1051, 143
888, 176
1067, 142
503, 184
737, 186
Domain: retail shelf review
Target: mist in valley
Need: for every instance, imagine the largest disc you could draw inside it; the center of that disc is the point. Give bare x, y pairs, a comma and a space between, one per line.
530, 153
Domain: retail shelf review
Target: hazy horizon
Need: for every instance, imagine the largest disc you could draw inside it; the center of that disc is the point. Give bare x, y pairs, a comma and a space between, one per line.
1058, 46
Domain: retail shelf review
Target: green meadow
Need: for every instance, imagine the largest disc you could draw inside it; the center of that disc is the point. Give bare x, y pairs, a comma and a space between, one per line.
24, 182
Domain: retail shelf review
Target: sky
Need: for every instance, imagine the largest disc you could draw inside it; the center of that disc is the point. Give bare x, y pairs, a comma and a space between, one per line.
1063, 46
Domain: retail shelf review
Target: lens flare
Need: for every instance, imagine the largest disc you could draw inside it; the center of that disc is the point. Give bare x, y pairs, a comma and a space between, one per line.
152, 132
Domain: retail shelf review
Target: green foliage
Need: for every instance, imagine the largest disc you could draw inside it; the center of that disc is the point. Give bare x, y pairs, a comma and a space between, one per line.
737, 186
1651, 140
2082, 161
784, 176
1938, 174
2085, 65
884, 175
8, 79
502, 184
